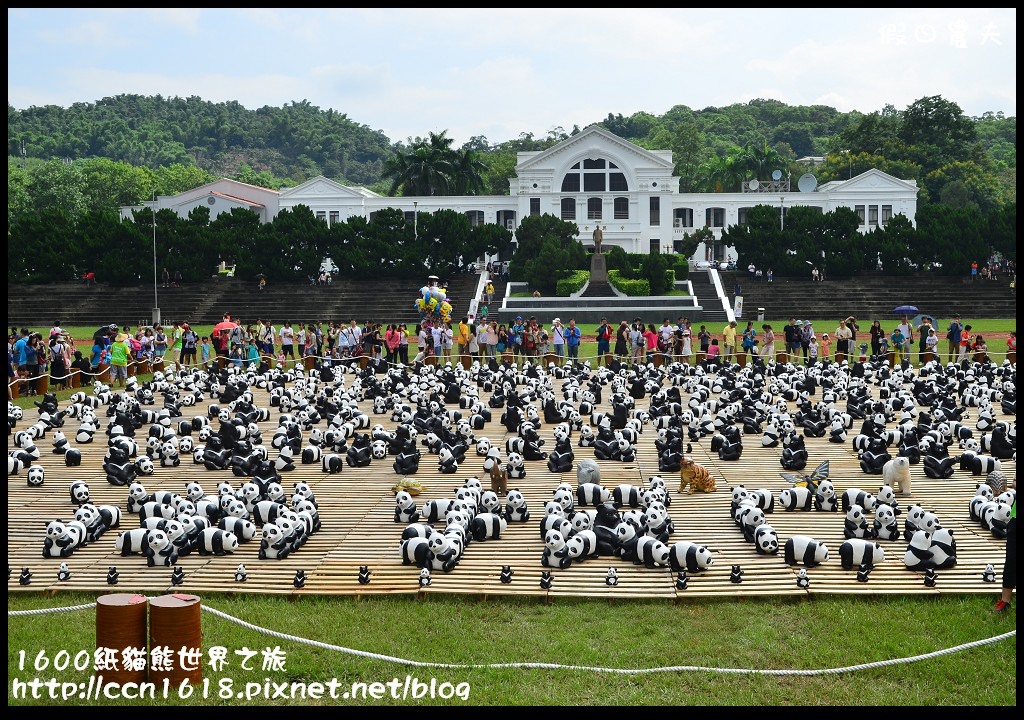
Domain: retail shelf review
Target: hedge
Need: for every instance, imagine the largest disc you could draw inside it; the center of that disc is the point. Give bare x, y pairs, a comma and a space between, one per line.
573, 283
632, 288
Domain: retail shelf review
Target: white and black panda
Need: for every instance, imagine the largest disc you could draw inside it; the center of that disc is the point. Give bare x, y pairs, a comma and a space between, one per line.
273, 543
435, 510
855, 552
214, 541
805, 550
589, 493
516, 509
582, 545
160, 551
417, 550
766, 540
855, 525
556, 552
796, 498
487, 526
79, 491
405, 508
62, 539
856, 496
919, 554
134, 542
943, 549
35, 476
885, 526
241, 528
651, 552
689, 556
626, 495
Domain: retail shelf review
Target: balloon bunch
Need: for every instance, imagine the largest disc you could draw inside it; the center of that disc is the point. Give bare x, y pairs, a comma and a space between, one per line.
434, 304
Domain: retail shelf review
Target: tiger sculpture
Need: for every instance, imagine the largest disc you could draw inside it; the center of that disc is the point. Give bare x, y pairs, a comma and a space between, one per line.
693, 477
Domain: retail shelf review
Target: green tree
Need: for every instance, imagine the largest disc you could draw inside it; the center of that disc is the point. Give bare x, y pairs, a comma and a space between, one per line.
653, 267
58, 185
937, 123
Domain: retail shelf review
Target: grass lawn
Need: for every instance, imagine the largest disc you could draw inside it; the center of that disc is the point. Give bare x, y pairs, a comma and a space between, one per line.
697, 638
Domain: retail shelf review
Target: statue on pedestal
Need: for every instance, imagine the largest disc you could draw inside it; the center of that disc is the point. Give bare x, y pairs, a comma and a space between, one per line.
598, 237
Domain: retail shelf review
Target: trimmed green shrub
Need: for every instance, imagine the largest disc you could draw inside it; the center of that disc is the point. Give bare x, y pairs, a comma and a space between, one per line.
568, 285
631, 287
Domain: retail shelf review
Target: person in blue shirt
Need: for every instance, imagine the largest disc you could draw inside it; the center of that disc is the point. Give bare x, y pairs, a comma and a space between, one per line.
515, 335
572, 340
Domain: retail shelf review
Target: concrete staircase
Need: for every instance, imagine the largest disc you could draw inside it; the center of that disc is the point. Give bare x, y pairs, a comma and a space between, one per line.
707, 298
869, 297
384, 300
598, 289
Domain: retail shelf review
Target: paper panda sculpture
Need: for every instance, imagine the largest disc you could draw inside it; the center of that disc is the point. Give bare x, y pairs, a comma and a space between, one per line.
856, 552
919, 554
885, 526
943, 549
214, 541
690, 556
79, 491
35, 476
447, 463
556, 553
405, 508
516, 509
766, 540
856, 524
805, 550
515, 466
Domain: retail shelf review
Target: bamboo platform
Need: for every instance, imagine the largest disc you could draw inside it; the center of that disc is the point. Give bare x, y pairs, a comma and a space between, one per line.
356, 510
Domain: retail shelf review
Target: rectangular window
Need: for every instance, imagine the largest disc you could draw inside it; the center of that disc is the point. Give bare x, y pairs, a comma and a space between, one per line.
655, 211
683, 218
321, 215
741, 216
568, 209
859, 209
886, 213
594, 182
594, 209
534, 206
334, 217
655, 246
617, 182
872, 214
621, 211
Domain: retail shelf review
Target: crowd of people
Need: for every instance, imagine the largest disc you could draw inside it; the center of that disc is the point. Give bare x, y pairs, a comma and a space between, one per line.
31, 356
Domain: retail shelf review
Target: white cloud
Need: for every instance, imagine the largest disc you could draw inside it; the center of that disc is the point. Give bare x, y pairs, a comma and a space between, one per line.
500, 73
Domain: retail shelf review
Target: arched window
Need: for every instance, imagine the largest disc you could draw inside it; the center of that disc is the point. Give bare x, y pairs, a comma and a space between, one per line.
594, 175
594, 209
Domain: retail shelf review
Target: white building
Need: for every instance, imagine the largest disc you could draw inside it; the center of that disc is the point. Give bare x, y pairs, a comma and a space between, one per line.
593, 178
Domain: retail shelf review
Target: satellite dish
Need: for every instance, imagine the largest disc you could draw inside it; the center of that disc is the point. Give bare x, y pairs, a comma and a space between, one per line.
753, 184
776, 175
807, 183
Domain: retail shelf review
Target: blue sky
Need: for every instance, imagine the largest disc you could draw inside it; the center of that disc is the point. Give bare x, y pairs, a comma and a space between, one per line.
499, 73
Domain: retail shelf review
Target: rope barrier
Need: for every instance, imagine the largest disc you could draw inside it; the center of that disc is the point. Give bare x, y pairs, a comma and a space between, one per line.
561, 666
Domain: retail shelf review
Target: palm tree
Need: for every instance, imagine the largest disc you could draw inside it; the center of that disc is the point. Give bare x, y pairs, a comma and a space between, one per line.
761, 159
426, 168
468, 178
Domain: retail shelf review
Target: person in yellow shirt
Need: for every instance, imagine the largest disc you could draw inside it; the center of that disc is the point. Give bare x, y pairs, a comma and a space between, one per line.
729, 341
463, 336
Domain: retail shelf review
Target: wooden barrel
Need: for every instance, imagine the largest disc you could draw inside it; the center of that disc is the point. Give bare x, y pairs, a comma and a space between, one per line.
840, 356
43, 383
506, 356
1011, 355
927, 357
891, 359
309, 362
121, 624
104, 373
76, 378
550, 358
364, 360
175, 623
13, 388
741, 359
430, 360
466, 359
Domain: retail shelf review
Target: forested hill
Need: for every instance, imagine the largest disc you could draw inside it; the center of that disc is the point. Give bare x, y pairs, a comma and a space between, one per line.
930, 141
